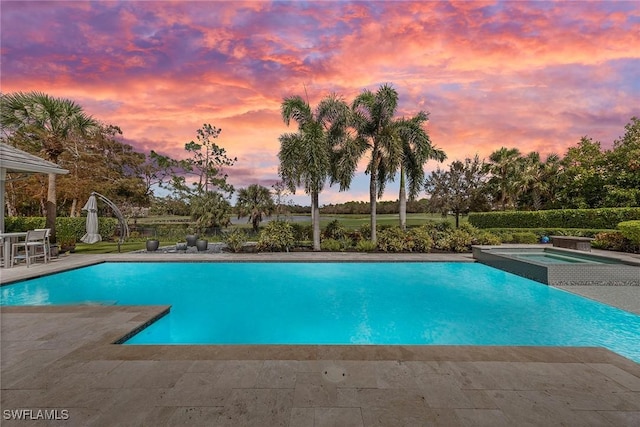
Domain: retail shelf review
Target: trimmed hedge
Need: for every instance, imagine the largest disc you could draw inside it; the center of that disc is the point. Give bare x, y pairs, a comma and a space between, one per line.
603, 218
65, 226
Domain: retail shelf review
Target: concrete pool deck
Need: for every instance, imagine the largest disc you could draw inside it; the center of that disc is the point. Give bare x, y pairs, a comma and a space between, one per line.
62, 358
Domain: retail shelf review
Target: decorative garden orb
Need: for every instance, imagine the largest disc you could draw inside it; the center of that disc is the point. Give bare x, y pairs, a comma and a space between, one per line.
544, 239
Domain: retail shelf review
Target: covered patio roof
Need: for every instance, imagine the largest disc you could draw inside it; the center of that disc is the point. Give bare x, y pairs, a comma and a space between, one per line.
14, 160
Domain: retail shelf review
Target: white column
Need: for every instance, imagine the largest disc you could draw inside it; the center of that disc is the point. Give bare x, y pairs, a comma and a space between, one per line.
3, 178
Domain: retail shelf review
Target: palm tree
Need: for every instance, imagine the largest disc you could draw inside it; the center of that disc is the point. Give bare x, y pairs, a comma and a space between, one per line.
373, 120
551, 173
537, 179
416, 151
49, 124
255, 202
306, 156
503, 167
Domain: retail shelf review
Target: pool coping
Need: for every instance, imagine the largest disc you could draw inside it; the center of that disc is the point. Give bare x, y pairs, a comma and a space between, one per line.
372, 351
74, 261
108, 347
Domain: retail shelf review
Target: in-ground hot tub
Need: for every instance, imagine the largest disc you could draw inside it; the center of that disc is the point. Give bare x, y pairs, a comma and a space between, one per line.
555, 266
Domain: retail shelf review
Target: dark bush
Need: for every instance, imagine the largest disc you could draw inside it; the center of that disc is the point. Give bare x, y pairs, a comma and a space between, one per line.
334, 230
613, 241
302, 232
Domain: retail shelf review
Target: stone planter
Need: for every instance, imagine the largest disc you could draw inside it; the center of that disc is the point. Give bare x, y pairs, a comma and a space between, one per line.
153, 245
191, 239
202, 245
181, 246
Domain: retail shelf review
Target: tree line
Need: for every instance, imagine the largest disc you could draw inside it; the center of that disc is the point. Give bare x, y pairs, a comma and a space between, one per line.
586, 177
324, 148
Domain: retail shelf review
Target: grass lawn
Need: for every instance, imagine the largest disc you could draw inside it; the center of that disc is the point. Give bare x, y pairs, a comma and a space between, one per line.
355, 221
109, 247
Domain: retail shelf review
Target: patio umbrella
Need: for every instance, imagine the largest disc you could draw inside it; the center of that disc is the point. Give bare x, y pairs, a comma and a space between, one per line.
92, 235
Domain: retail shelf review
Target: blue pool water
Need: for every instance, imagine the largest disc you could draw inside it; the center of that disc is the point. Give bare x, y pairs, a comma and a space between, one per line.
340, 303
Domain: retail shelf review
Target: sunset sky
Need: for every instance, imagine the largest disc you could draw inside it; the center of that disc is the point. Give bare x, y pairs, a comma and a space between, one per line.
532, 75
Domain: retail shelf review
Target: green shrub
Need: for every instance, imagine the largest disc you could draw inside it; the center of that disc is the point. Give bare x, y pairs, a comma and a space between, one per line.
482, 237
393, 240
334, 230
460, 241
630, 230
524, 237
276, 236
469, 228
365, 246
332, 245
235, 239
444, 225
365, 231
602, 218
421, 239
16, 224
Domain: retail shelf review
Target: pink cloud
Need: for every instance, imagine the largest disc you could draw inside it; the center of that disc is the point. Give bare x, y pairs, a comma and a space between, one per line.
534, 75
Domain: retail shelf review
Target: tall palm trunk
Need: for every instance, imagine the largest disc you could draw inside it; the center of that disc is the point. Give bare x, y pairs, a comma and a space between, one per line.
373, 196
51, 207
74, 206
402, 199
315, 219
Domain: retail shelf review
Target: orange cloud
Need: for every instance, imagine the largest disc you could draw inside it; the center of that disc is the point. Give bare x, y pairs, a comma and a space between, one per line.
534, 75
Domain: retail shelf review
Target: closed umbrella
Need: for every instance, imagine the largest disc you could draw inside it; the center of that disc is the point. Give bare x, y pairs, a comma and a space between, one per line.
92, 235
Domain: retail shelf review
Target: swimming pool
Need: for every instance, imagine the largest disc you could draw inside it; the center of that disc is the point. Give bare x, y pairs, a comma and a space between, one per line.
340, 303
